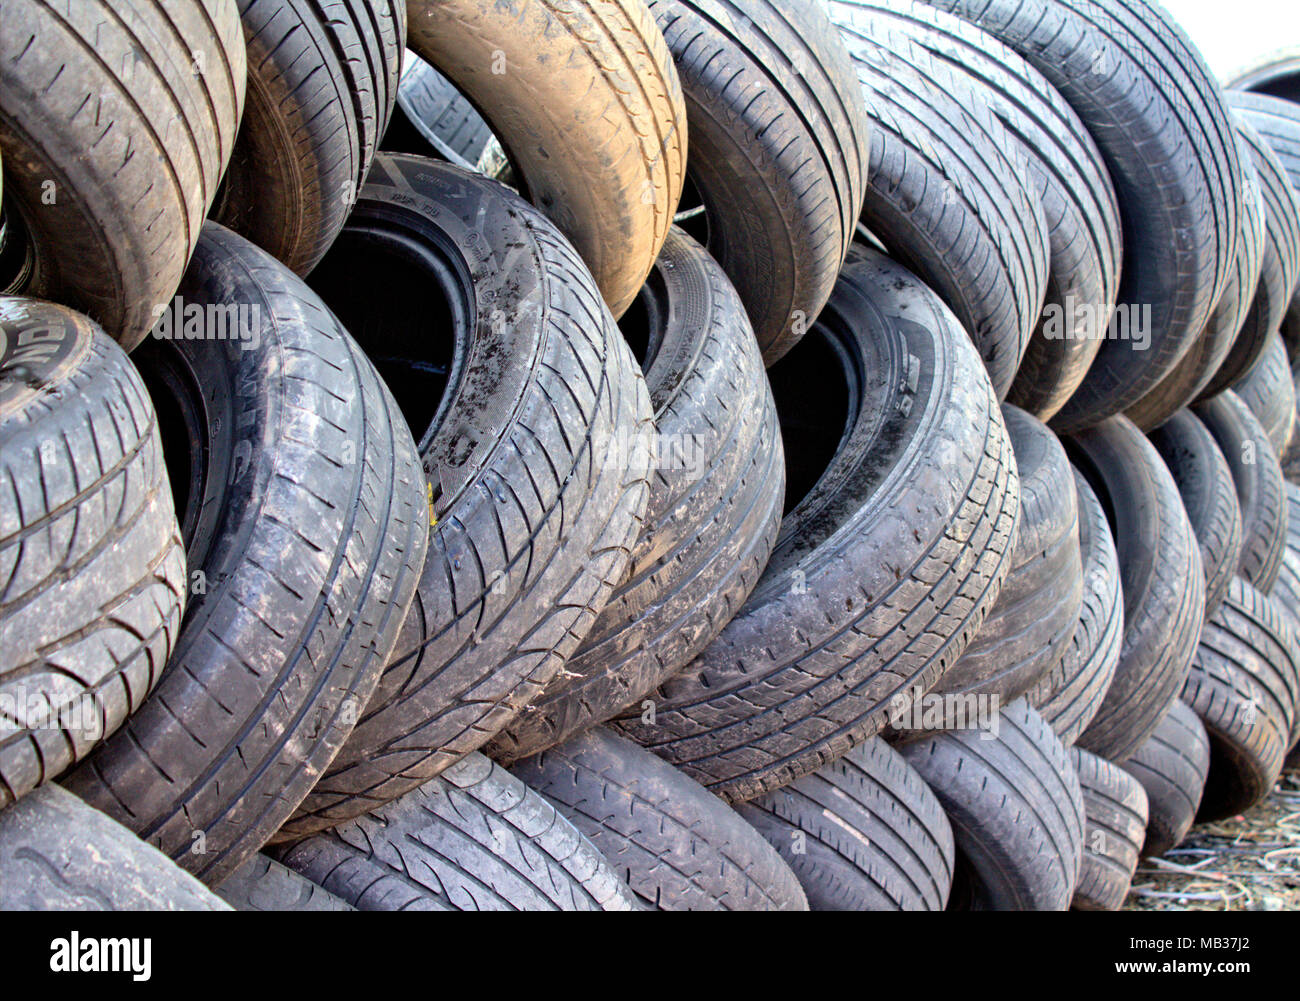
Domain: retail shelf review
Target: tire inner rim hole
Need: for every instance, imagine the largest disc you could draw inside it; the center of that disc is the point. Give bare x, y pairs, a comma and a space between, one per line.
645, 323
182, 430
815, 406
404, 300
692, 215
16, 261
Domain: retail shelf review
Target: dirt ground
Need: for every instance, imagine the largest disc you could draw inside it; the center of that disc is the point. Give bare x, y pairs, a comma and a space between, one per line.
1250, 862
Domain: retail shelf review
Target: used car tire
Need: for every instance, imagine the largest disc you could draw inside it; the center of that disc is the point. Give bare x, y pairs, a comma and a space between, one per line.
1257, 476
92, 567
304, 514
58, 854
440, 114
1070, 180
1158, 116
1280, 264
1016, 810
1172, 765
1276, 73
1161, 579
534, 424
983, 245
779, 151
677, 846
607, 157
321, 85
263, 884
1269, 391
1069, 695
714, 509
862, 833
1242, 686
1205, 484
902, 507
103, 208
1116, 808
1200, 367
1028, 630
473, 839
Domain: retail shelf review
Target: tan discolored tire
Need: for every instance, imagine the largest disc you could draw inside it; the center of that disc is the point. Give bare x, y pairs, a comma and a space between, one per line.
586, 102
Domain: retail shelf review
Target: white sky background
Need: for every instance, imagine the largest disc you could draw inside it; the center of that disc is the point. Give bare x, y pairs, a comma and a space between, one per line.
1233, 33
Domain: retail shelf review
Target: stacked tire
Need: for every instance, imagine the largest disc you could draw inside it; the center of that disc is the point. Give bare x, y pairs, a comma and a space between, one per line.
664, 454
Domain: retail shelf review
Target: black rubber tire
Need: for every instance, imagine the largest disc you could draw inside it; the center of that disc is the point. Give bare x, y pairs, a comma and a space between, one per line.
982, 244
1172, 765
1242, 685
1280, 264
58, 854
1069, 695
1197, 369
1069, 178
677, 846
1016, 810
862, 833
1149, 100
536, 438
473, 839
885, 565
306, 522
117, 118
713, 513
441, 115
321, 85
1027, 632
1270, 393
779, 151
1161, 579
92, 568
1276, 73
1205, 484
588, 107
263, 884
1257, 476
1115, 805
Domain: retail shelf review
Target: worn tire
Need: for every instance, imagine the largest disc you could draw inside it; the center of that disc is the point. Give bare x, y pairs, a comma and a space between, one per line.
1027, 632
1280, 264
1242, 685
1158, 116
304, 514
92, 568
535, 437
983, 246
58, 854
862, 833
1016, 810
1070, 180
321, 85
473, 839
779, 151
1160, 577
1276, 73
1258, 478
1069, 695
1200, 367
440, 114
1172, 765
607, 156
263, 884
1205, 484
713, 512
677, 846
133, 176
885, 566
1270, 393
1115, 805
